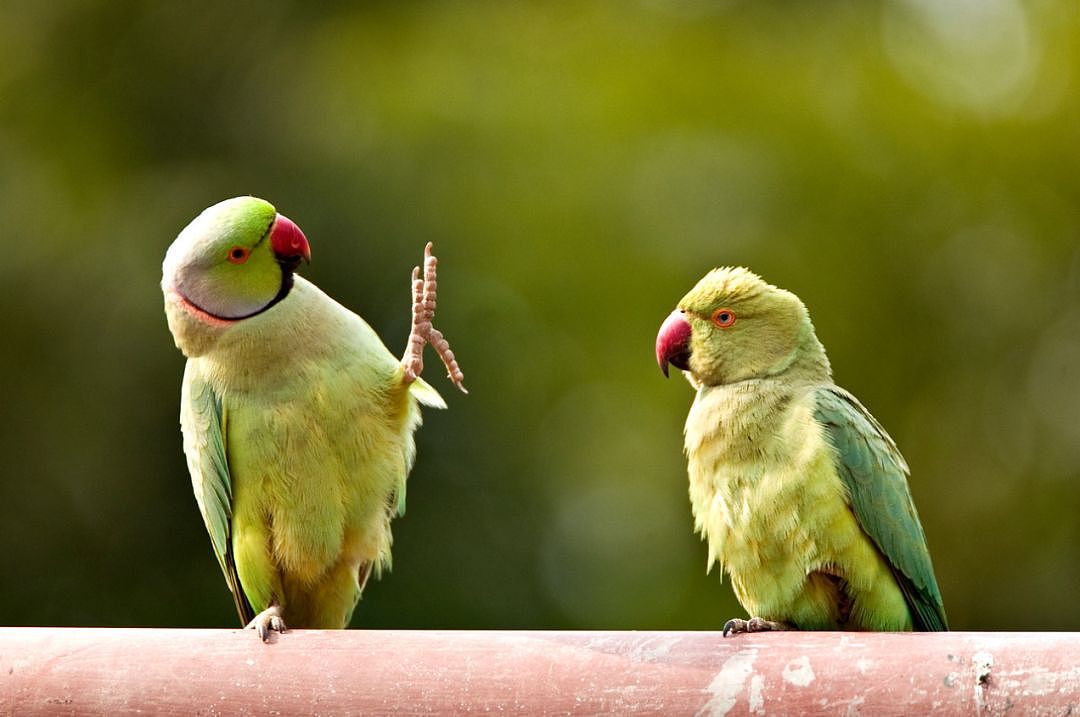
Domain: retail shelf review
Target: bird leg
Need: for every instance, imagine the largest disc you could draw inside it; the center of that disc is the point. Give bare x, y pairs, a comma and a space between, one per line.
266, 621
754, 624
423, 311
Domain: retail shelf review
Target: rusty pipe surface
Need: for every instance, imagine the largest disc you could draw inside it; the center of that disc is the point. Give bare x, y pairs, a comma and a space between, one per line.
174, 671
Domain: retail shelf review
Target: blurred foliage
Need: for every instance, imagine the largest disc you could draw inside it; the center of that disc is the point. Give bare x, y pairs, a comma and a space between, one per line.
911, 169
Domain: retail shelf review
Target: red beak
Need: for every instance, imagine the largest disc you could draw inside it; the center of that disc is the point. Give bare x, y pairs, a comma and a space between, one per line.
673, 342
289, 243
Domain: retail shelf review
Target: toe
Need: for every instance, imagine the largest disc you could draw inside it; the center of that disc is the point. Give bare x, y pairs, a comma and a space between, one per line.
734, 627
267, 621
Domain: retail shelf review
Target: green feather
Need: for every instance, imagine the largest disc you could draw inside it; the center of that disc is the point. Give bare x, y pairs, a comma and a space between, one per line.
203, 421
875, 476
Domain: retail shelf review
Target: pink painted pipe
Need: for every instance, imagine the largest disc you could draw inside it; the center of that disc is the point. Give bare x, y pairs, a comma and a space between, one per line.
49, 671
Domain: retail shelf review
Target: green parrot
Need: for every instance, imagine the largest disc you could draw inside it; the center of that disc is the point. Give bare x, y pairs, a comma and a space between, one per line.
297, 421
801, 495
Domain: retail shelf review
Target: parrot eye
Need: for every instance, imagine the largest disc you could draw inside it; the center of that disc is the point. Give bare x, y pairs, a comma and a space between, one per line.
238, 254
723, 318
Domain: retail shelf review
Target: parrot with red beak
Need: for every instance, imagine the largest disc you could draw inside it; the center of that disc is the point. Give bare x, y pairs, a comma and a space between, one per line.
297, 420
799, 492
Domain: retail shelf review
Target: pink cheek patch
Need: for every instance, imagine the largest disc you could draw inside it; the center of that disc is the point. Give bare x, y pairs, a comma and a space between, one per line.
208, 319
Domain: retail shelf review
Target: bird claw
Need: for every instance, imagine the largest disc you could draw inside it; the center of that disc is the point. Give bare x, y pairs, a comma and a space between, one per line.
422, 332
754, 624
267, 621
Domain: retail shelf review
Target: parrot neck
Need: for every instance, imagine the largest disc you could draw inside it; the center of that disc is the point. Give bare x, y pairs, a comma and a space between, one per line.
194, 334
807, 362
269, 347
281, 345
256, 348
737, 420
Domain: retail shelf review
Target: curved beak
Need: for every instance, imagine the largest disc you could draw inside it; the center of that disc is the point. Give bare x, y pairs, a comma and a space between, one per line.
673, 342
288, 243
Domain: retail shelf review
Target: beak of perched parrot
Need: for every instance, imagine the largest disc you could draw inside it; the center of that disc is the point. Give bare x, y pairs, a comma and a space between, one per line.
673, 342
288, 243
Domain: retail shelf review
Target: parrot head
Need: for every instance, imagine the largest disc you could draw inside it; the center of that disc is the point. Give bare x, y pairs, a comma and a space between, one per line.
232, 262
733, 326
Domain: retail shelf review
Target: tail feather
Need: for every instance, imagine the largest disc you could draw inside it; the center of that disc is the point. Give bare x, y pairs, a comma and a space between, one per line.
423, 392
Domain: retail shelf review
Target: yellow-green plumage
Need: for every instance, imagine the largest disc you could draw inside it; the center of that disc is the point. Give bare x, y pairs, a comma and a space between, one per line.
800, 494
298, 428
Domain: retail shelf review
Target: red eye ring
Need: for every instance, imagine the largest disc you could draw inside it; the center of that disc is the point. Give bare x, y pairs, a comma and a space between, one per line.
723, 318
239, 254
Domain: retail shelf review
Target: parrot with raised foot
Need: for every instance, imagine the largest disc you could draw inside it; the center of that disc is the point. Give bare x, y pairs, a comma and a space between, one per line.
297, 420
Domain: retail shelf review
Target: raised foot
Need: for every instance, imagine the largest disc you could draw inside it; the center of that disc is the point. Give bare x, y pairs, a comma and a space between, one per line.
422, 333
754, 624
267, 621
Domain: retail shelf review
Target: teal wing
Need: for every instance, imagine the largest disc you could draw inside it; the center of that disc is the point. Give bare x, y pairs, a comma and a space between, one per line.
875, 475
202, 417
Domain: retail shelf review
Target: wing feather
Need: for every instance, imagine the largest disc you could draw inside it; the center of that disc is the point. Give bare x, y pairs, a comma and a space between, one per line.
875, 475
203, 420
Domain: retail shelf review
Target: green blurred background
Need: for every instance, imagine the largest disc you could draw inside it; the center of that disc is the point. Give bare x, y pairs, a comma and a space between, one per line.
910, 169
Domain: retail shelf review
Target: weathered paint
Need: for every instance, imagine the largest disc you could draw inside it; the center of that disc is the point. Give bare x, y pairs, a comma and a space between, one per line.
799, 672
729, 683
172, 672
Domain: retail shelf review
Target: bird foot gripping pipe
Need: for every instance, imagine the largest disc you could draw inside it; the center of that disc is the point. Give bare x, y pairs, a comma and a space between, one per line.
736, 626
423, 332
267, 621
